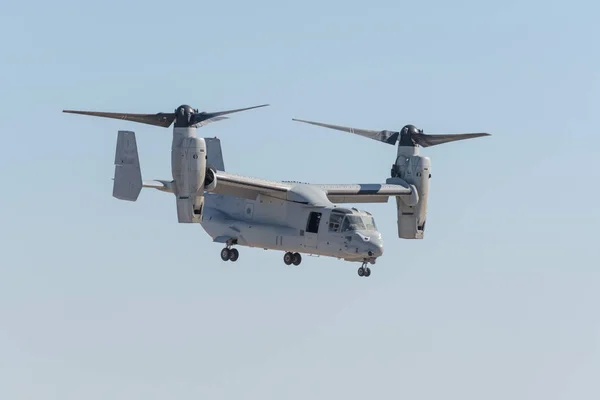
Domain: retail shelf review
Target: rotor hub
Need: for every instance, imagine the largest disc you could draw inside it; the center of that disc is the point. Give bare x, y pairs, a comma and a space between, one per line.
184, 116
406, 135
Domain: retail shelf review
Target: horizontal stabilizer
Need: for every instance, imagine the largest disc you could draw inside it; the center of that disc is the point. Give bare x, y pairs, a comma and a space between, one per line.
128, 176
165, 186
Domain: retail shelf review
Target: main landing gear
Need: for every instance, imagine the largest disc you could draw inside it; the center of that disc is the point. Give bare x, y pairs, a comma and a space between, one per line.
292, 258
229, 254
364, 270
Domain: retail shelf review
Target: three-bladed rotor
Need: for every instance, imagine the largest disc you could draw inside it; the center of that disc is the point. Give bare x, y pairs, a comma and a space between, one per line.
409, 135
184, 116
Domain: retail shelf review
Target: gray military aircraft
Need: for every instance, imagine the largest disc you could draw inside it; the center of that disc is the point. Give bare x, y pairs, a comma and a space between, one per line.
293, 217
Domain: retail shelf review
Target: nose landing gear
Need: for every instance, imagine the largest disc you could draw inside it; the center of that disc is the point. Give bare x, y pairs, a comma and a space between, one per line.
364, 270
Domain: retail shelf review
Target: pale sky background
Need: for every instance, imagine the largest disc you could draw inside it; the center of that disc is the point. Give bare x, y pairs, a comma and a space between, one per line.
101, 298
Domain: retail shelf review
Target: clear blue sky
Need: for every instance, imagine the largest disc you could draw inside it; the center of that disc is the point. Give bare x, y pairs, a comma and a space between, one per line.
107, 299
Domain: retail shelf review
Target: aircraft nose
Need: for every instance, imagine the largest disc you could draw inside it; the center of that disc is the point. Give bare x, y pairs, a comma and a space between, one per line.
375, 247
375, 251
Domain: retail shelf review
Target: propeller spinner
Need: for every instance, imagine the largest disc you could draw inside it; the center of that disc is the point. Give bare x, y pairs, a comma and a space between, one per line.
409, 135
184, 116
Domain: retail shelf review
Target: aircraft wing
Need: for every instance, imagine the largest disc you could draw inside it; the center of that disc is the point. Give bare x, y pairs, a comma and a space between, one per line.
249, 188
367, 193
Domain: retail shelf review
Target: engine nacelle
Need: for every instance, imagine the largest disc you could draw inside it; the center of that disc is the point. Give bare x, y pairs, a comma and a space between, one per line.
188, 163
210, 181
412, 212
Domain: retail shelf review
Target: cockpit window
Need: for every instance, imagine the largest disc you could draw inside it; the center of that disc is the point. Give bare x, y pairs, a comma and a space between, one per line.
369, 223
335, 221
352, 223
343, 220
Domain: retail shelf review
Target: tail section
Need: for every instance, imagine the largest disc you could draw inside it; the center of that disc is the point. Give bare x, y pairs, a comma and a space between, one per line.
214, 154
128, 175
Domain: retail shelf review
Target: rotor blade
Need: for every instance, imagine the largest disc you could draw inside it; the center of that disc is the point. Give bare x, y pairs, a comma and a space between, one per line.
160, 119
389, 137
203, 116
208, 121
426, 140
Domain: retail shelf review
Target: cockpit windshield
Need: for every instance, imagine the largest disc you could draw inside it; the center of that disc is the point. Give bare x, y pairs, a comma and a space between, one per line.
342, 220
352, 223
369, 223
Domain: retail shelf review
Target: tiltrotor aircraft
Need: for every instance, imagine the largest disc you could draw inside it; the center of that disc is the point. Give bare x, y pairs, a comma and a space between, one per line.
295, 218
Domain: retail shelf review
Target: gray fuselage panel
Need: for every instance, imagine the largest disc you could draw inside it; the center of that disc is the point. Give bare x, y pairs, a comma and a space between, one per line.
276, 224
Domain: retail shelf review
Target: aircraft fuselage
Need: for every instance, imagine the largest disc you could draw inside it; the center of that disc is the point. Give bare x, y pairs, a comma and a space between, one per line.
276, 224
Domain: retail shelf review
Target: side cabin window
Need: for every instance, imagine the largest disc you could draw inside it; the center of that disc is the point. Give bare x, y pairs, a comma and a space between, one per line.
313, 222
335, 221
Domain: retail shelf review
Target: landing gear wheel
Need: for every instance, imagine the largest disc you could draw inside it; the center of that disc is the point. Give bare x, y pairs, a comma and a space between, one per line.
234, 254
297, 259
364, 270
288, 258
225, 254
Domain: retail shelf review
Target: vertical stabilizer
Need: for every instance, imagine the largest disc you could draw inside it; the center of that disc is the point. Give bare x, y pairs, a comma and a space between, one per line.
214, 154
128, 176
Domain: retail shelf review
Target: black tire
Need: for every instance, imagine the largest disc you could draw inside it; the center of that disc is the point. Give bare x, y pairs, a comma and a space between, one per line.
297, 259
367, 271
361, 271
225, 254
234, 254
288, 258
